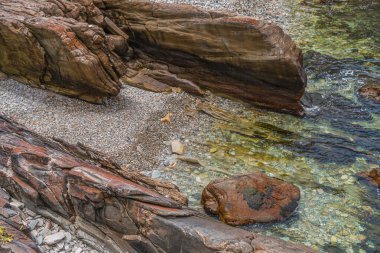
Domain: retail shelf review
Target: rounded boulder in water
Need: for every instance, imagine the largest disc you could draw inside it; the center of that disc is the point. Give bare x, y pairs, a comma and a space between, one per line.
252, 198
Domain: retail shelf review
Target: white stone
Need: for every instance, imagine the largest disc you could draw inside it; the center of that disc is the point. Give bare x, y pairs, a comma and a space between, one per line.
17, 204
177, 147
54, 238
79, 250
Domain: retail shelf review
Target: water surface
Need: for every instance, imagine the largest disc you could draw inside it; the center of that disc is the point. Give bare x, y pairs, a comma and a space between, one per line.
323, 152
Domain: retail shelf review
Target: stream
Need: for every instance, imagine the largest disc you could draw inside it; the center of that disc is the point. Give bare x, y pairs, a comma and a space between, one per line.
322, 152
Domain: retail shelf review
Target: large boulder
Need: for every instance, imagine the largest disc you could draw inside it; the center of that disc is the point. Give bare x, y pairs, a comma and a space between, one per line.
253, 198
81, 48
113, 209
60, 46
234, 56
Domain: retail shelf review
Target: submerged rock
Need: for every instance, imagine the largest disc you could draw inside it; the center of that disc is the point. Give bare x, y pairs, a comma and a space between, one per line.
371, 91
373, 176
253, 198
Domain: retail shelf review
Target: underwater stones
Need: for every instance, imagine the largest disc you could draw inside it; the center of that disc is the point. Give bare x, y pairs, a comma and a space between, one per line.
371, 91
234, 56
252, 198
373, 176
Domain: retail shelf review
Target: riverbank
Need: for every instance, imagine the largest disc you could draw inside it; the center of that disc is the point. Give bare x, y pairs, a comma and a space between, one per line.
272, 11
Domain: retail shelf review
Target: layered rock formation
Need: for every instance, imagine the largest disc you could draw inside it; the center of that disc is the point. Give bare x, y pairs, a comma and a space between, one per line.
238, 57
113, 209
253, 198
11, 221
75, 48
60, 46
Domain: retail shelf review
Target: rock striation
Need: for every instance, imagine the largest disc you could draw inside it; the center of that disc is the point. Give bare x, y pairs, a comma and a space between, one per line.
253, 198
60, 46
114, 209
81, 48
234, 56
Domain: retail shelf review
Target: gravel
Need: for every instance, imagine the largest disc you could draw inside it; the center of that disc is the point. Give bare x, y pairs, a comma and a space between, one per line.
128, 128
275, 11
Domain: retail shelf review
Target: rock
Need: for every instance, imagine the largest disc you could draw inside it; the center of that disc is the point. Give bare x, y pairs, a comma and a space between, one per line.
30, 213
20, 242
81, 48
177, 147
78, 250
17, 204
253, 198
167, 118
234, 56
54, 238
109, 202
33, 224
373, 176
371, 91
60, 46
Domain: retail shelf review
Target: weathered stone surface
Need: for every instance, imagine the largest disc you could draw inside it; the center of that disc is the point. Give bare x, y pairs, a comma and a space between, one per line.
239, 57
373, 176
252, 198
54, 238
59, 45
72, 48
123, 211
11, 222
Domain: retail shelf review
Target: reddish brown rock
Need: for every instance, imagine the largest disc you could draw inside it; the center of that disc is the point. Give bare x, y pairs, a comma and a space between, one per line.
253, 198
12, 225
113, 209
373, 176
371, 91
60, 46
80, 48
234, 56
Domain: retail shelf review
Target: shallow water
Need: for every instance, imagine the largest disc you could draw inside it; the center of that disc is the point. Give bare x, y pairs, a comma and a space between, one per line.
321, 153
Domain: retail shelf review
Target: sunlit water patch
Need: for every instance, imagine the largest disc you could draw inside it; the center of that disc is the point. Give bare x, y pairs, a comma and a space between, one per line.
321, 153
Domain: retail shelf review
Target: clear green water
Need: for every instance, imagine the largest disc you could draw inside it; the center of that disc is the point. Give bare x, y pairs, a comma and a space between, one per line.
321, 153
